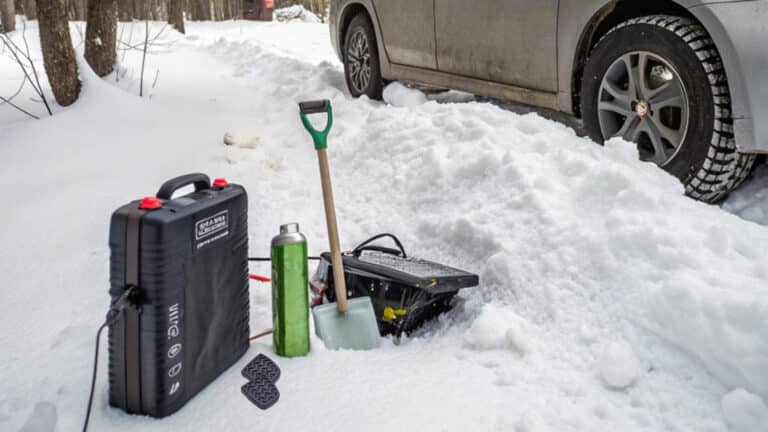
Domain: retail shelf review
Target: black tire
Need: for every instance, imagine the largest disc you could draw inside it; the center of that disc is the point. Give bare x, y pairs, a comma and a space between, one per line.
707, 162
361, 27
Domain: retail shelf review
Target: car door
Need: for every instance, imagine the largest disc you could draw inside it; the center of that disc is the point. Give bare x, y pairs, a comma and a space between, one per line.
505, 41
408, 31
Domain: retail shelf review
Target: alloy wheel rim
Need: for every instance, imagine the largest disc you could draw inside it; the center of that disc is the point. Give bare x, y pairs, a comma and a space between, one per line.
643, 100
359, 61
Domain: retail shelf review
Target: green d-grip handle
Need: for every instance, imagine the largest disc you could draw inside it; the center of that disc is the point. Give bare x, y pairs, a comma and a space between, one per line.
313, 107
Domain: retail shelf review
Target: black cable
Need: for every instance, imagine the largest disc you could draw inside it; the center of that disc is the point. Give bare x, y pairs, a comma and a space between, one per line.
264, 259
362, 246
112, 316
356, 251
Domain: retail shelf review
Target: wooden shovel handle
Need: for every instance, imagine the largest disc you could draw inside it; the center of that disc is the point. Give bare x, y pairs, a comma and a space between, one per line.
333, 232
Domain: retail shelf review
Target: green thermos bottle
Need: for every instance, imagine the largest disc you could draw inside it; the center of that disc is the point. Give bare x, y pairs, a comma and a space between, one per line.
290, 295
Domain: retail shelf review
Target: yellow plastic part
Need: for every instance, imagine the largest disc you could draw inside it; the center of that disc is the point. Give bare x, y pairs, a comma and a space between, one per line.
391, 313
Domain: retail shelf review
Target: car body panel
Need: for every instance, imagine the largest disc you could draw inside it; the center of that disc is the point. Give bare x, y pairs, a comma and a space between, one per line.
739, 29
501, 52
408, 29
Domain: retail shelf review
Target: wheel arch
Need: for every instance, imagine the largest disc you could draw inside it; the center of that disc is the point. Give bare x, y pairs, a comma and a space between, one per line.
607, 17
366, 7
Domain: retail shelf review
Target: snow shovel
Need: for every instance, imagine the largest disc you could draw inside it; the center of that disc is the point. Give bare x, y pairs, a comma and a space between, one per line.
347, 324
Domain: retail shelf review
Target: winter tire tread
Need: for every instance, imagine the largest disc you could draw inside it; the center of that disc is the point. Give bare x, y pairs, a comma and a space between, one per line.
724, 168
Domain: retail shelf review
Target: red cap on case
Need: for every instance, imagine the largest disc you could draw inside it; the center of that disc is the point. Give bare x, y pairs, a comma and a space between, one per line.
150, 203
220, 182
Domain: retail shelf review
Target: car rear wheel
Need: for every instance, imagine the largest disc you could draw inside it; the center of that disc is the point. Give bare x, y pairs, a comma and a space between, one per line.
658, 81
361, 59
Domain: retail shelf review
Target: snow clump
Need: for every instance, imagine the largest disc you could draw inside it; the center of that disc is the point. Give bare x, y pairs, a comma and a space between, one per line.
399, 95
498, 327
619, 366
745, 412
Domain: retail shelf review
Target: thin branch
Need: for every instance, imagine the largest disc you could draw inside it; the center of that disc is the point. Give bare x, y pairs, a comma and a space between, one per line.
13, 47
117, 72
130, 39
144, 58
140, 46
8, 42
19, 108
39, 88
18, 90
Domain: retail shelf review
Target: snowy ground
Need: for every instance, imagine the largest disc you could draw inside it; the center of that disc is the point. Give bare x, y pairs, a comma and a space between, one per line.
609, 302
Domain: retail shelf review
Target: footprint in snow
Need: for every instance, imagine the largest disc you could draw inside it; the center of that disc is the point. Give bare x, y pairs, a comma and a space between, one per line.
241, 142
239, 149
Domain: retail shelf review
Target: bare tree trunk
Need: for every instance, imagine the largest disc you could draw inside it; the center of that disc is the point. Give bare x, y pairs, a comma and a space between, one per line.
125, 10
140, 9
176, 15
7, 16
216, 15
76, 10
189, 8
58, 54
203, 9
225, 10
30, 8
101, 36
18, 5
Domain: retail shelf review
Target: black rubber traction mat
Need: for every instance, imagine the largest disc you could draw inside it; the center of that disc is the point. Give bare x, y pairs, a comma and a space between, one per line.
262, 366
262, 392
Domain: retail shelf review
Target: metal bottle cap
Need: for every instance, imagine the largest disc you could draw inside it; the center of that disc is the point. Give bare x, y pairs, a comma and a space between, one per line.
289, 234
289, 228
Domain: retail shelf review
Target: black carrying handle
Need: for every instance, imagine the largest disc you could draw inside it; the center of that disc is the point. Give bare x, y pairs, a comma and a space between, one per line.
313, 107
201, 181
364, 246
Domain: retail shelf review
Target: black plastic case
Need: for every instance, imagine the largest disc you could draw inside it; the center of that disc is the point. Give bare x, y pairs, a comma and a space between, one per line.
405, 292
189, 260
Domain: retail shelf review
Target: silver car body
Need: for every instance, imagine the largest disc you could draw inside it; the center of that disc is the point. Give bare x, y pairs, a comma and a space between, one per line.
530, 51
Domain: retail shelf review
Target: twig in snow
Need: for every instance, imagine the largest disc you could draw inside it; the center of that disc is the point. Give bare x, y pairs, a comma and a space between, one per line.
34, 69
18, 55
117, 69
144, 57
18, 90
130, 39
19, 108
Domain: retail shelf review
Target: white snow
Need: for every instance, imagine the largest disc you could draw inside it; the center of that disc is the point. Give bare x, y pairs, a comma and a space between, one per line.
498, 328
745, 412
618, 365
750, 202
578, 246
398, 95
295, 13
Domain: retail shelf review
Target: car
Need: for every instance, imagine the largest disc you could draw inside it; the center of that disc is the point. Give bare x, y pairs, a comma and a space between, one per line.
685, 80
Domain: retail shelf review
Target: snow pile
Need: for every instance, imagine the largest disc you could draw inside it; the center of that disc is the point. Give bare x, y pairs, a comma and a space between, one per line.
618, 365
399, 95
745, 412
295, 13
577, 246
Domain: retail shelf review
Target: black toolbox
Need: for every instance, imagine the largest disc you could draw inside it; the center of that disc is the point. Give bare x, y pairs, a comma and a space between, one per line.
405, 291
187, 258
